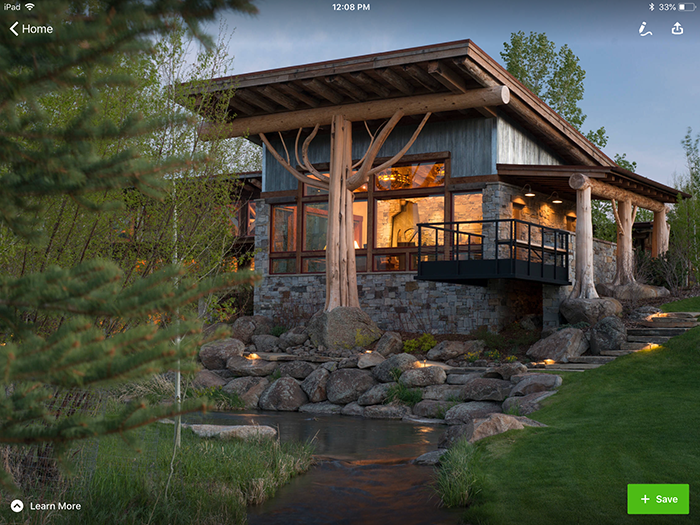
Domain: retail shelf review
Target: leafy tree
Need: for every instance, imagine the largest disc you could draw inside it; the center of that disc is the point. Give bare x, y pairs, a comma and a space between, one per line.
82, 160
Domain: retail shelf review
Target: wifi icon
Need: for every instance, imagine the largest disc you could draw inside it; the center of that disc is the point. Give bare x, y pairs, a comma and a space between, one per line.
29, 7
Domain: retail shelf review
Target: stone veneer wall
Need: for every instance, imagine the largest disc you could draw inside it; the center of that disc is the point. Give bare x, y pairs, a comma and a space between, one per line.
397, 301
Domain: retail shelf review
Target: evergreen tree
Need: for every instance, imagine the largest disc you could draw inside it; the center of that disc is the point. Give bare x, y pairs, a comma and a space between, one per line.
40, 158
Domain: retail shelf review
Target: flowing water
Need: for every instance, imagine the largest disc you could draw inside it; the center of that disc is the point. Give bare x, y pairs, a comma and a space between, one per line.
362, 475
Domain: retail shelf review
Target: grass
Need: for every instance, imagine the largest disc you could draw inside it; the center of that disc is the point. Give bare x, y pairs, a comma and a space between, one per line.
459, 478
212, 483
634, 420
691, 304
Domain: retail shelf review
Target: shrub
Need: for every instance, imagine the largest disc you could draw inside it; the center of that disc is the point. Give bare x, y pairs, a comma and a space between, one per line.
400, 392
424, 343
492, 355
278, 330
459, 480
473, 356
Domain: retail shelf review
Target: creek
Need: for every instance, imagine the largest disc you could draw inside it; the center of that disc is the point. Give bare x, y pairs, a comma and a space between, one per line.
362, 474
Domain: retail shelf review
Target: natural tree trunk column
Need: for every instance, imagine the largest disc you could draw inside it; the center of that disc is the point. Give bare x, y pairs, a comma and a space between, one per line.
624, 216
584, 285
659, 237
341, 280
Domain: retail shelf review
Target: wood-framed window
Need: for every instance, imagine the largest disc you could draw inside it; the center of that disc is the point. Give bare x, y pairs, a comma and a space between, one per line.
386, 212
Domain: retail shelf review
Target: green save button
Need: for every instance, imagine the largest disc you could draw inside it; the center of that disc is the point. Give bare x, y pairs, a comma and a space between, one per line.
658, 499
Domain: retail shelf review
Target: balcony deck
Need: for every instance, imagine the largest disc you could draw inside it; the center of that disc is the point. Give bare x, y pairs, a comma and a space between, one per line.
472, 252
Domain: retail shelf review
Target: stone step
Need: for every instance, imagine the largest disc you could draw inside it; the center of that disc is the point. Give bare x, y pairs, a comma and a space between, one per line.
569, 367
657, 331
591, 359
666, 322
633, 347
658, 339
269, 356
616, 353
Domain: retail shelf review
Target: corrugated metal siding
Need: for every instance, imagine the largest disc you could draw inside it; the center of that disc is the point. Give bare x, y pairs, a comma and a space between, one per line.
471, 143
517, 146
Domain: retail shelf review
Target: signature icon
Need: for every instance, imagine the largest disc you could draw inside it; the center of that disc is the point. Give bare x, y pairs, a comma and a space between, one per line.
641, 30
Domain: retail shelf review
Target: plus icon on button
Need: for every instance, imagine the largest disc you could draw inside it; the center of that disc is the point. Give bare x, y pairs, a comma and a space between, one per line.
645, 499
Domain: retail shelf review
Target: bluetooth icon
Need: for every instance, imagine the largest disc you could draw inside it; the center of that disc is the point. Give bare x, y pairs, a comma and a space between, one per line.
651, 7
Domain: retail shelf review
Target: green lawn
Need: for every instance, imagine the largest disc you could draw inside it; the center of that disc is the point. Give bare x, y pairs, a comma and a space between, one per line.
636, 420
692, 304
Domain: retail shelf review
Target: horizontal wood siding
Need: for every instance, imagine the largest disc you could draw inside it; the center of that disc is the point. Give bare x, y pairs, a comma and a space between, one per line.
469, 141
517, 146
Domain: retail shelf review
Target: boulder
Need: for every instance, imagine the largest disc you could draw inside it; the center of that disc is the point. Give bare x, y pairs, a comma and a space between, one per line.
425, 376
244, 432
369, 360
505, 371
284, 395
343, 327
524, 405
375, 395
241, 366
531, 383
486, 390
265, 343
608, 334
331, 366
446, 350
495, 424
531, 322
465, 412
321, 409
562, 345
589, 310
348, 384
456, 433
641, 313
432, 408
248, 389
631, 291
297, 369
462, 379
295, 337
386, 411
389, 343
349, 362
429, 458
315, 385
207, 379
402, 362
443, 392
353, 409
214, 355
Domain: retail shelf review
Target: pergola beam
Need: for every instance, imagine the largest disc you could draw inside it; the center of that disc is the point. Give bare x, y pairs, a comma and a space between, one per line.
607, 191
373, 110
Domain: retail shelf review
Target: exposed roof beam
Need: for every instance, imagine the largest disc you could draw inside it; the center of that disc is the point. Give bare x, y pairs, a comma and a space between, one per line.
238, 104
419, 74
323, 90
294, 91
370, 84
579, 181
280, 98
255, 99
447, 77
376, 109
351, 89
396, 81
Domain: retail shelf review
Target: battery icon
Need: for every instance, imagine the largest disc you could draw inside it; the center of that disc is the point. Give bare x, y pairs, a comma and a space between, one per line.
686, 7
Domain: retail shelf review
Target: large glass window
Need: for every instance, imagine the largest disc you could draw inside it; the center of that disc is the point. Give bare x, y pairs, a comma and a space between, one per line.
422, 175
284, 228
397, 220
316, 225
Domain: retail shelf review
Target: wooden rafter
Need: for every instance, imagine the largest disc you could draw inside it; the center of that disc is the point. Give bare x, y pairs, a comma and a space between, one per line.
322, 89
256, 100
370, 84
280, 98
348, 87
422, 77
447, 77
395, 80
293, 91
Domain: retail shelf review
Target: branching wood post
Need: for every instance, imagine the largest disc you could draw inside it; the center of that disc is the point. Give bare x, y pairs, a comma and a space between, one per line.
584, 284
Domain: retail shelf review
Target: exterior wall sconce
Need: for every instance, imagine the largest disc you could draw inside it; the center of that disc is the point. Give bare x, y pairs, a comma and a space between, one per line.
528, 191
555, 198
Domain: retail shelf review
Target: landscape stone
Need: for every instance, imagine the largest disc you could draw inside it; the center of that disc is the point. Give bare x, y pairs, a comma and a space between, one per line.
349, 362
369, 359
528, 404
631, 291
561, 346
297, 369
429, 458
284, 395
265, 343
353, 409
322, 409
207, 379
608, 334
432, 408
244, 432
249, 389
382, 372
462, 379
375, 395
444, 392
495, 424
348, 384
531, 322
295, 337
465, 412
446, 350
456, 433
641, 313
343, 327
505, 371
531, 383
331, 366
214, 355
425, 376
389, 343
241, 366
315, 385
386, 411
589, 310
486, 390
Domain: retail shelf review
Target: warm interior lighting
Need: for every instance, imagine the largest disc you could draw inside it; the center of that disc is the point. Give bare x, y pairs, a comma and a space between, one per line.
252, 356
357, 245
555, 198
528, 191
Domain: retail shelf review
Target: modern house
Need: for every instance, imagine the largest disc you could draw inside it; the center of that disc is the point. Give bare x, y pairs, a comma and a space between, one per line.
474, 226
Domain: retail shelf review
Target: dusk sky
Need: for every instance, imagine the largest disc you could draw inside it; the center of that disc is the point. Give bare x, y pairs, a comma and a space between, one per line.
644, 90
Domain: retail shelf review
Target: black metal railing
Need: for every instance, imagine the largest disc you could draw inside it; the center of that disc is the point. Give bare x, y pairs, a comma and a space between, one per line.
499, 248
